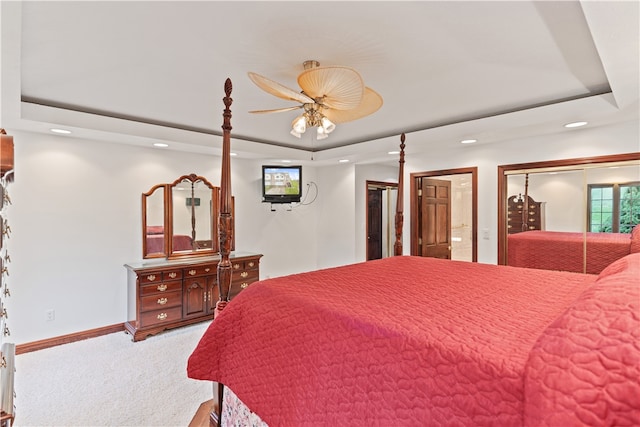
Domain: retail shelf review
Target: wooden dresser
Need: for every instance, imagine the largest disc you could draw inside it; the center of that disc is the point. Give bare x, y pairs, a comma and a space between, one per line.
172, 293
535, 217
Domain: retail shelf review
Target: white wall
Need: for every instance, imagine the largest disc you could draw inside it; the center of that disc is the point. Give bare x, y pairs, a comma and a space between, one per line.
76, 220
76, 216
336, 216
286, 236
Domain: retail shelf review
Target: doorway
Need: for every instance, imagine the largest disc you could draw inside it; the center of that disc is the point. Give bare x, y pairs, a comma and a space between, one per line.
444, 214
381, 203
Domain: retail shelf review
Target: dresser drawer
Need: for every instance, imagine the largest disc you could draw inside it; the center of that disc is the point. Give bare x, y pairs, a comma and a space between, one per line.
159, 276
201, 270
244, 276
244, 265
160, 287
172, 275
158, 317
160, 301
150, 277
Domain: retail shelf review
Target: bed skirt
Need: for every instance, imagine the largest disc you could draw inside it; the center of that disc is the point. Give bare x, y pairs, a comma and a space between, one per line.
235, 413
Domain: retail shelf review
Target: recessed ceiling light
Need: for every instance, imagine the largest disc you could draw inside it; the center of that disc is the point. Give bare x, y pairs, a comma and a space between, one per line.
233, 154
63, 131
468, 141
575, 124
393, 152
344, 160
286, 161
160, 144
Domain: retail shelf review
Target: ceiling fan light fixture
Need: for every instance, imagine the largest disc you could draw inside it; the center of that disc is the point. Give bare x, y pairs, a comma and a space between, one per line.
299, 125
330, 95
321, 134
327, 125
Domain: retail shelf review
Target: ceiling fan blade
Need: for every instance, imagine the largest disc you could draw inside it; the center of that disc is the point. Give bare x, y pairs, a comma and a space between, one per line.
341, 87
276, 89
371, 102
277, 110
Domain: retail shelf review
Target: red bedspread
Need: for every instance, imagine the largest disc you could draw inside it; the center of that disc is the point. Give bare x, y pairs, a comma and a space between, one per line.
557, 250
398, 341
585, 368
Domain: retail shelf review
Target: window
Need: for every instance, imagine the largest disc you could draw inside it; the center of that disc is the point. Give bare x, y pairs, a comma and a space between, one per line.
613, 208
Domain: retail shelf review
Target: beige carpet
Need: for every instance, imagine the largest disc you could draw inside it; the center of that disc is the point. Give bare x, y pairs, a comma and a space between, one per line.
111, 381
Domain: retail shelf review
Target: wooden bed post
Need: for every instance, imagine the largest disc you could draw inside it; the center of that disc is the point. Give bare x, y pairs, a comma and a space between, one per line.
397, 247
226, 219
225, 230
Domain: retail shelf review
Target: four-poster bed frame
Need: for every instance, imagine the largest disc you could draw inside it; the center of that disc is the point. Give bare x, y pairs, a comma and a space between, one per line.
226, 221
408, 340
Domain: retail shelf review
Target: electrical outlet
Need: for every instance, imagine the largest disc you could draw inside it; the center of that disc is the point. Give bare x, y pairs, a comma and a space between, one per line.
50, 315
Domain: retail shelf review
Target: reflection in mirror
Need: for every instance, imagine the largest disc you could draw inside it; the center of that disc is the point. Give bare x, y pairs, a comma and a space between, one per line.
192, 215
570, 217
178, 218
551, 200
154, 223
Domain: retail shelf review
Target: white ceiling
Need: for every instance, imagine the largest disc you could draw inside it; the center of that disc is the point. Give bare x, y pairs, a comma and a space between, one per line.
138, 72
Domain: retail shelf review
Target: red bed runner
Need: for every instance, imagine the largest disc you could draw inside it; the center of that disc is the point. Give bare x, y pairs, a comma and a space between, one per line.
398, 341
557, 250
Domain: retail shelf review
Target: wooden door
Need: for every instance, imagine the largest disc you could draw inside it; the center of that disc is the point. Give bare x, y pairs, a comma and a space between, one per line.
374, 223
434, 218
194, 294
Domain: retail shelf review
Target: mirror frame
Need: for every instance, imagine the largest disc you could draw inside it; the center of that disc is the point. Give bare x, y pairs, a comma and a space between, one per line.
215, 212
167, 194
502, 187
165, 222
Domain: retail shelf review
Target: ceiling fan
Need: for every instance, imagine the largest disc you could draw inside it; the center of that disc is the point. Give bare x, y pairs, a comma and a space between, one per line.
330, 95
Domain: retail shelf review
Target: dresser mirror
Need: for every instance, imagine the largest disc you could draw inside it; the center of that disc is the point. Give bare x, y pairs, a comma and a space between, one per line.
193, 200
179, 219
154, 222
568, 204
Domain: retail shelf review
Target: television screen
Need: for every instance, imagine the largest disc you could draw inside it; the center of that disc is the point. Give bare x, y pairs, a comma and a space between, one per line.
281, 184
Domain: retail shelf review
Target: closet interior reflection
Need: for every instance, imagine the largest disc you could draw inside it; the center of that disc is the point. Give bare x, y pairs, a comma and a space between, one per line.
573, 215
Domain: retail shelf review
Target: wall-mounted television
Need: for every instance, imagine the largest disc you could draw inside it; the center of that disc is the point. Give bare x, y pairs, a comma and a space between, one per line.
281, 184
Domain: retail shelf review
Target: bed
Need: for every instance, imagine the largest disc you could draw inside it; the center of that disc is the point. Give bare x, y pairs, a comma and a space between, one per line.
155, 240
422, 341
569, 251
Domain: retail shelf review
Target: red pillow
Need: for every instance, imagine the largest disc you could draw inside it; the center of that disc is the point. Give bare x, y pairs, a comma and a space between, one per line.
629, 264
635, 239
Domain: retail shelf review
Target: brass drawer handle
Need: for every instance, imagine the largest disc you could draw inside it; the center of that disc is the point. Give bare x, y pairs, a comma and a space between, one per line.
244, 274
173, 275
236, 266
206, 270
151, 277
251, 264
162, 316
244, 285
162, 288
192, 272
162, 301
